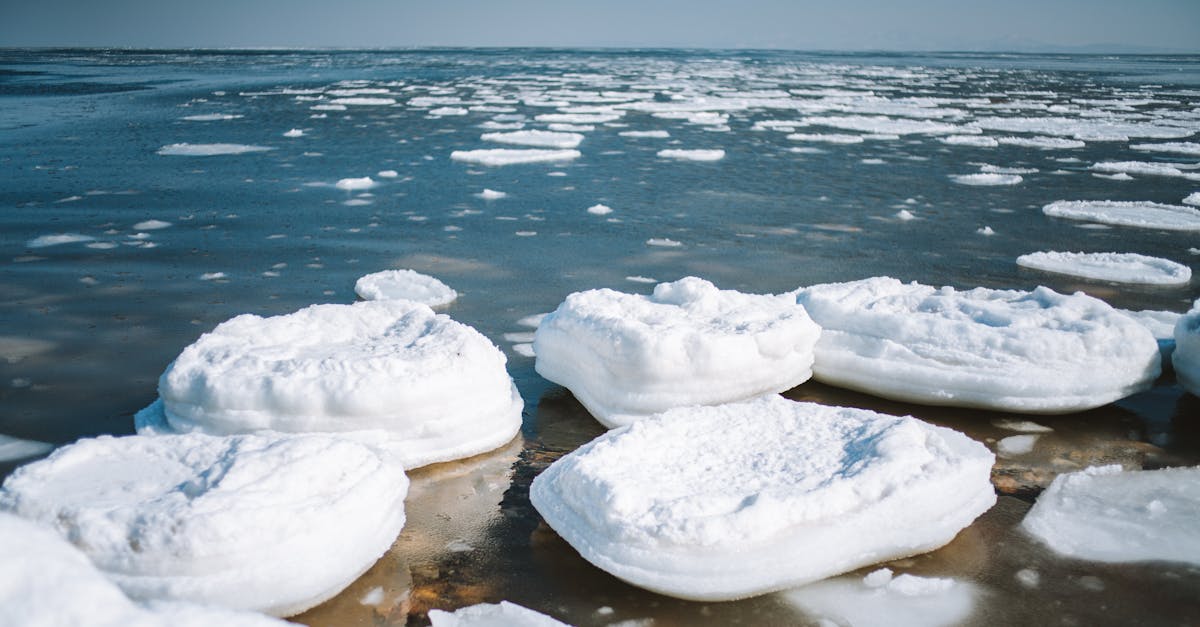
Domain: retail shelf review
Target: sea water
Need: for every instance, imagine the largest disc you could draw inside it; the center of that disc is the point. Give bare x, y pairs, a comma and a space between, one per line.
146, 196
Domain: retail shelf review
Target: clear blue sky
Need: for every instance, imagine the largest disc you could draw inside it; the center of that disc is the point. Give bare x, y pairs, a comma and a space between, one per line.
798, 24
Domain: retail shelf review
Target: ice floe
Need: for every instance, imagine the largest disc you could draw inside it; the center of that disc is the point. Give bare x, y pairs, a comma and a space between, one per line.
57, 239
502, 614
293, 133
151, 225
692, 155
883, 600
1187, 350
986, 178
208, 150
1082, 129
736, 500
977, 141
1044, 143
437, 389
355, 184
599, 210
491, 194
540, 139
364, 101
1146, 168
625, 356
510, 156
828, 138
1116, 267
1147, 215
1038, 352
47, 582
270, 523
646, 134
211, 117
1186, 148
12, 449
1105, 514
1160, 324
404, 284
1192, 199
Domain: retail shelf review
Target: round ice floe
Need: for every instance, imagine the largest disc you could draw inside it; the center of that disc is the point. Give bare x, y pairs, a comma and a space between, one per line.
1147, 215
1116, 267
625, 356
1107, 515
404, 285
1186, 358
437, 388
46, 581
731, 501
503, 614
264, 522
1038, 352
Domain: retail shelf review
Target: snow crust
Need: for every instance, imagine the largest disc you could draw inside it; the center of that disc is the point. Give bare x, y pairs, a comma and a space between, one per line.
1147, 215
692, 155
437, 388
510, 156
208, 150
44, 581
502, 614
1116, 267
404, 285
881, 600
1037, 352
1186, 358
271, 523
626, 356
736, 500
1106, 514
541, 139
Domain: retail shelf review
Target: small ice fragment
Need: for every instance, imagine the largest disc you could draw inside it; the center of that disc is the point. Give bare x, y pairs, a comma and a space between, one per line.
212, 276
504, 614
539, 139
986, 178
491, 194
641, 279
208, 150
646, 134
1192, 199
57, 239
294, 133
355, 184
1028, 577
404, 284
905, 214
151, 225
532, 321
511, 156
985, 230
692, 155
387, 174
211, 117
525, 350
374, 596
1022, 426
1015, 445
12, 449
878, 578
663, 242
599, 210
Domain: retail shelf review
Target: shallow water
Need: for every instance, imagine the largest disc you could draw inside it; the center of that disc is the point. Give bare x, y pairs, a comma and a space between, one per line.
89, 325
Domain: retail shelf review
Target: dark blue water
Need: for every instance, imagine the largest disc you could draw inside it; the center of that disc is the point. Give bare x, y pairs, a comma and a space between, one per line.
87, 327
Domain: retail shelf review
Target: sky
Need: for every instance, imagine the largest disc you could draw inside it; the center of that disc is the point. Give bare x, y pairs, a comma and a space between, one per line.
986, 25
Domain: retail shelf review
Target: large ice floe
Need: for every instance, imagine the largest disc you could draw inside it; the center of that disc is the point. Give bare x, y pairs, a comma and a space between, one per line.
1147, 215
511, 156
271, 523
626, 356
45, 581
437, 389
502, 614
736, 500
1108, 515
1116, 267
541, 139
1037, 352
404, 285
1186, 357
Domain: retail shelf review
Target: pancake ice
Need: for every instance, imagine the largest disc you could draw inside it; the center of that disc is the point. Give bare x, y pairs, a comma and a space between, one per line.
404, 285
1036, 352
625, 356
437, 388
731, 501
1105, 514
272, 523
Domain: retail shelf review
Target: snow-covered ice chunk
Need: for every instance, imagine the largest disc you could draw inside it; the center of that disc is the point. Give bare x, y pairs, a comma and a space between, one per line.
387, 174
45, 581
1145, 168
647, 134
625, 356
1186, 358
540, 139
404, 284
509, 156
1105, 514
977, 141
273, 523
881, 600
491, 194
437, 388
1146, 215
986, 178
905, 215
1116, 267
12, 449
1008, 350
663, 242
355, 184
692, 155
1192, 199
56, 239
731, 501
208, 150
599, 210
503, 614
293, 133
985, 230
1015, 445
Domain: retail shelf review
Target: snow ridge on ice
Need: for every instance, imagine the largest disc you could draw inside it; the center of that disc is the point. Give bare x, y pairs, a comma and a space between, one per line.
736, 500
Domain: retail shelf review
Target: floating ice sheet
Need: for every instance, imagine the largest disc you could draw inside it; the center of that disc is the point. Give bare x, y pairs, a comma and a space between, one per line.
625, 356
57, 239
736, 500
510, 156
1109, 515
692, 155
503, 614
986, 178
436, 388
208, 150
540, 139
271, 523
46, 581
405, 285
1146, 215
1038, 352
1116, 267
